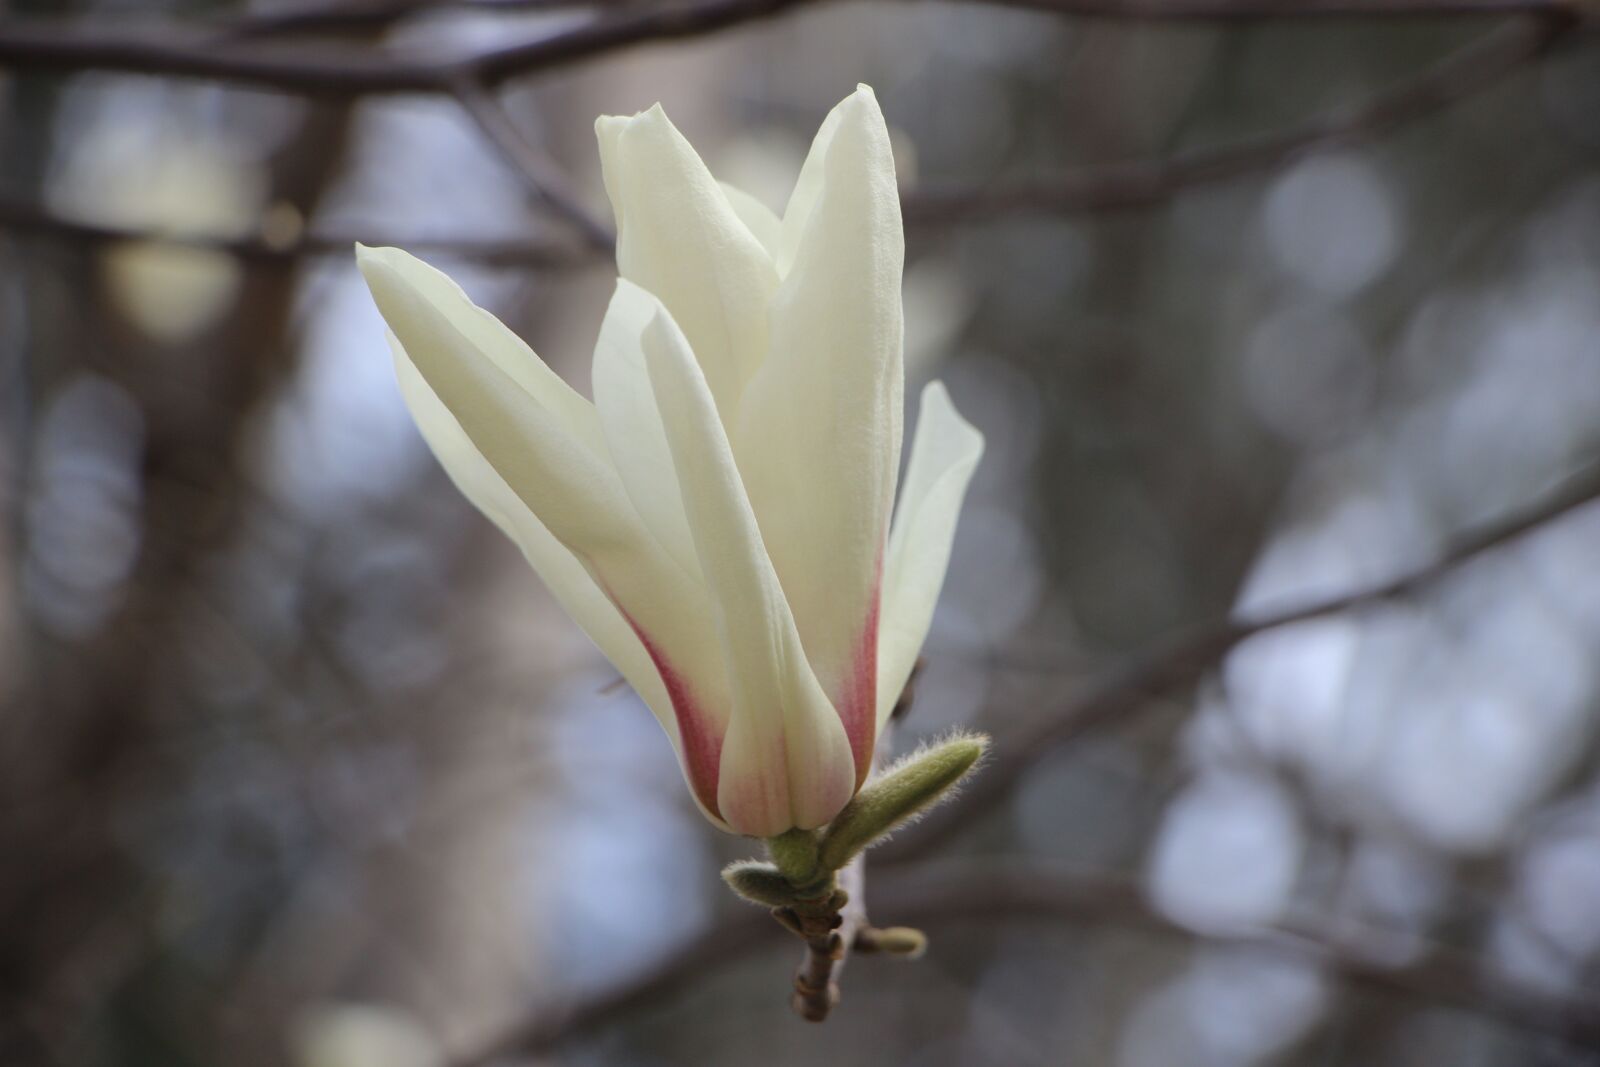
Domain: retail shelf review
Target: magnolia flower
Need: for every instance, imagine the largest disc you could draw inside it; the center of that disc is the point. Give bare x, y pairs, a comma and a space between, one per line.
718, 519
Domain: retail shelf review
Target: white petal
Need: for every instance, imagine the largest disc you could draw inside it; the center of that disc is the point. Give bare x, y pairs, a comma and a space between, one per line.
757, 217
786, 760
819, 431
632, 424
574, 490
944, 453
492, 338
679, 238
566, 578
808, 187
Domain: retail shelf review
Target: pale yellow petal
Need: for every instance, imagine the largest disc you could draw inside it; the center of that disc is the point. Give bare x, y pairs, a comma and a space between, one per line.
786, 760
819, 432
944, 453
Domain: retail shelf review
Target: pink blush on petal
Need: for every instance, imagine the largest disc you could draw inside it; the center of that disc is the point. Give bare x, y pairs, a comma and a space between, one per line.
702, 746
857, 708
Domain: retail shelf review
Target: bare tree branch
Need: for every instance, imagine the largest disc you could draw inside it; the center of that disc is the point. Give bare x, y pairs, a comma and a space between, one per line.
36, 44
32, 221
175, 51
1142, 183
1439, 975
998, 891
1185, 658
1119, 186
537, 171
321, 16
361, 16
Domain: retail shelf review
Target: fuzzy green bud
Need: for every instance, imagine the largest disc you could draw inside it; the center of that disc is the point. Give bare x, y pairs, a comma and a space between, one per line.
760, 883
899, 795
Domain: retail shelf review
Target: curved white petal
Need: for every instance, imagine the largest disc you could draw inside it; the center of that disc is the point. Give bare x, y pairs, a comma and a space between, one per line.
819, 431
786, 760
491, 337
632, 424
758, 218
558, 568
808, 187
944, 453
678, 237
573, 489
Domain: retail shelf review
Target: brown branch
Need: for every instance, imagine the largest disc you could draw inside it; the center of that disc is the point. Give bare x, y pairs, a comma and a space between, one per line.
1123, 690
1119, 186
1273, 10
176, 51
1021, 892
361, 16
1440, 974
828, 944
542, 177
829, 935
30, 221
55, 45
1183, 659
1142, 183
323, 17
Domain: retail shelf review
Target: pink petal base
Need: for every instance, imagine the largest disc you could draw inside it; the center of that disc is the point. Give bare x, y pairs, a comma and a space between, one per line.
857, 704
701, 744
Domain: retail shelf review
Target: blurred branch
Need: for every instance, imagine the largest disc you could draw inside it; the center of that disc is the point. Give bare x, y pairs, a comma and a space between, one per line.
1142, 183
536, 170
363, 15
1265, 10
1112, 187
59, 45
1118, 186
1439, 975
366, 15
316, 67
1010, 892
1183, 659
30, 220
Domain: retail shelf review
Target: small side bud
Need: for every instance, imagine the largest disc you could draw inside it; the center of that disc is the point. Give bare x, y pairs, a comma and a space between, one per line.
905, 791
759, 883
789, 921
906, 942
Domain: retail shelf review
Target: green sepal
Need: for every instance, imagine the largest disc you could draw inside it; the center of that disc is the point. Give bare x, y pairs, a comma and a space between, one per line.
899, 795
794, 853
760, 883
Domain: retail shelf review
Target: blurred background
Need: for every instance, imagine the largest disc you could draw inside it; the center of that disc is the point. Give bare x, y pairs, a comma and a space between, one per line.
300, 765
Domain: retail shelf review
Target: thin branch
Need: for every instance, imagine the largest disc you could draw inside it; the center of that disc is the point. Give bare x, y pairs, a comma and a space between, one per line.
535, 169
1274, 10
175, 51
829, 936
1182, 660
816, 983
363, 16
320, 16
1010, 892
1439, 974
1142, 183
1473, 68
30, 221
54, 45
